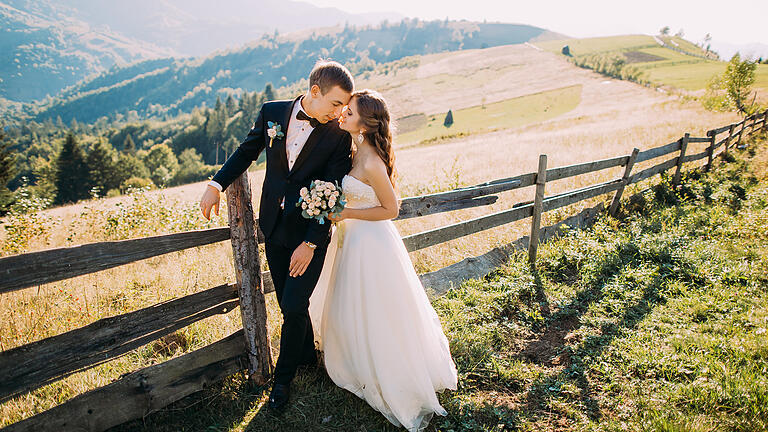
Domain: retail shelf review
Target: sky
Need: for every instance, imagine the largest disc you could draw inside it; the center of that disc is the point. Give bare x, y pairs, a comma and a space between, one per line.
587, 18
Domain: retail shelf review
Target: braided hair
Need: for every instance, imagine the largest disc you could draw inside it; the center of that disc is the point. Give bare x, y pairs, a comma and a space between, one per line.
374, 117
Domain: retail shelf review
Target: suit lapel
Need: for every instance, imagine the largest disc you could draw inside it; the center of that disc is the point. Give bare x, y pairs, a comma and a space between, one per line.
282, 153
312, 140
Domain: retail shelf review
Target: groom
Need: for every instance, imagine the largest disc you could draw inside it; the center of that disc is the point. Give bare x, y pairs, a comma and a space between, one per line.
311, 146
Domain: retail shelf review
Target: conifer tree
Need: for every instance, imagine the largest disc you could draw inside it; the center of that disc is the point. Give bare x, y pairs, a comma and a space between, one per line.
7, 172
101, 163
128, 145
71, 172
269, 92
448, 119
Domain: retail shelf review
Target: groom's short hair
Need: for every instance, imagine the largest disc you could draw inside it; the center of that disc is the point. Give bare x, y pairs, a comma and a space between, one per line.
327, 74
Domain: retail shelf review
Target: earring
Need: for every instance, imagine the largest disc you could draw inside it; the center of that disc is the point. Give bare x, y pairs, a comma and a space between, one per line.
360, 137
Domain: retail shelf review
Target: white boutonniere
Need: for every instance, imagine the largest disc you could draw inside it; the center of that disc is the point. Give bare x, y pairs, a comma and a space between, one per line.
274, 132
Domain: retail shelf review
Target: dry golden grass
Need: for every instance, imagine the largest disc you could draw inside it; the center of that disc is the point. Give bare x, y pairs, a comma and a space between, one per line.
612, 118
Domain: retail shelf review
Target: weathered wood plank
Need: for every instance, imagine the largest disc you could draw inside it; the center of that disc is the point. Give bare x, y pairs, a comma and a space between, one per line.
624, 181
584, 168
440, 281
721, 142
266, 279
33, 365
765, 120
142, 392
453, 200
253, 306
754, 122
729, 139
680, 159
720, 130
524, 179
742, 124
695, 157
443, 234
541, 180
658, 151
35, 268
652, 171
568, 198
449, 206
698, 140
710, 150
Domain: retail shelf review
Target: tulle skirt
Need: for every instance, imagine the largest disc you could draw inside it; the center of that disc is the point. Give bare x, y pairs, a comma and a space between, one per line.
381, 338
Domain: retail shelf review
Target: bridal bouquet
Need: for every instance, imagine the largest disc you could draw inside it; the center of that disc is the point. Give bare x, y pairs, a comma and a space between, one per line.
321, 199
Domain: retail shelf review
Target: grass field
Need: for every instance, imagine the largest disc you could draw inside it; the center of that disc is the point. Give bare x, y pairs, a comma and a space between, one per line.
652, 321
511, 113
675, 70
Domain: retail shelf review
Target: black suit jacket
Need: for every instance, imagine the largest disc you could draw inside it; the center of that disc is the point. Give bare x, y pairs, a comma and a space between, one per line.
325, 156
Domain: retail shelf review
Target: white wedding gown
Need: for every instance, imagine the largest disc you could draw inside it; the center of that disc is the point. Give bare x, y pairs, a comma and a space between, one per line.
380, 336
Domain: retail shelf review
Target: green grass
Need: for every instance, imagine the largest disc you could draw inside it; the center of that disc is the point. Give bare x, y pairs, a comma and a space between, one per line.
652, 321
676, 70
684, 45
599, 44
515, 112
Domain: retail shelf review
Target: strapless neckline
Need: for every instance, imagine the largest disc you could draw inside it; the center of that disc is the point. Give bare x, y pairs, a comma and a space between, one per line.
358, 193
359, 181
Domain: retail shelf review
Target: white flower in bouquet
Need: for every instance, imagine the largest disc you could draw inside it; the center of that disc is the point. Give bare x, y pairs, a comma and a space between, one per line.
321, 199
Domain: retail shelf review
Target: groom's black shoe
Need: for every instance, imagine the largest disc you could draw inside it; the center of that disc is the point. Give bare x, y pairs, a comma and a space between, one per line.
278, 398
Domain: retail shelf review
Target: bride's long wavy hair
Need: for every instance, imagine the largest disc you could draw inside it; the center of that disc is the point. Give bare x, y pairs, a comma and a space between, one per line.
375, 119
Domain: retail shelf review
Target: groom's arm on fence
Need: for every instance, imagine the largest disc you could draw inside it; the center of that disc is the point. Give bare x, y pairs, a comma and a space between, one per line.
247, 152
339, 165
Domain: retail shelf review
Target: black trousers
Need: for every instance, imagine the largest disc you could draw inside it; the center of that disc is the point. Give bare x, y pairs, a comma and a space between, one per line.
297, 341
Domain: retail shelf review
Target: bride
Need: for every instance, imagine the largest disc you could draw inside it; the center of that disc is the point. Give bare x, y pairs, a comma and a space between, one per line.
381, 339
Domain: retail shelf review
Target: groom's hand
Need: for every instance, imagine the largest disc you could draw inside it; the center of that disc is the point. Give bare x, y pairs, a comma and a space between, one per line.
300, 259
209, 200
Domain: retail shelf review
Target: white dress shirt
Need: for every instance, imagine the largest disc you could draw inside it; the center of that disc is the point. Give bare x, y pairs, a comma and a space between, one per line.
295, 137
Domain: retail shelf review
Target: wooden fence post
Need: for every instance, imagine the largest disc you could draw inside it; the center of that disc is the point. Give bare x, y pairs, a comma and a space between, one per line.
730, 138
710, 149
765, 120
253, 308
541, 179
741, 132
624, 181
683, 148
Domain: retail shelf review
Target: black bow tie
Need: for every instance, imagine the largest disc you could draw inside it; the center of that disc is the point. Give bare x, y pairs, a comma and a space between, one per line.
301, 115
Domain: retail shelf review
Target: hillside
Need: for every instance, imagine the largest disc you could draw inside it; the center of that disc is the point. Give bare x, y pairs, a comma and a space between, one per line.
46, 53
175, 86
199, 27
688, 68
54, 44
600, 118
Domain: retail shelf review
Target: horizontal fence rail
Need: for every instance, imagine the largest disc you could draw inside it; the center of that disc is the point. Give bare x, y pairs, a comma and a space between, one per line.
658, 151
36, 268
584, 168
450, 232
142, 392
33, 365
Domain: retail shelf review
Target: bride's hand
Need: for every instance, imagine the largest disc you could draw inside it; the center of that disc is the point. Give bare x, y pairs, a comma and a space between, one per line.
337, 217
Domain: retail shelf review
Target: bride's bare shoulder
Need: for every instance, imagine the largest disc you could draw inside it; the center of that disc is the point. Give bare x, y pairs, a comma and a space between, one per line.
374, 165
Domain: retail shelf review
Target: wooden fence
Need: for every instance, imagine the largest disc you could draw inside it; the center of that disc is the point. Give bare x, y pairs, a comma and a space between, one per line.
135, 395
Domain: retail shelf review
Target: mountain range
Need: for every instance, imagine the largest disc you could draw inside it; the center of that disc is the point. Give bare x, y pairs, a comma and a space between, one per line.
53, 44
168, 86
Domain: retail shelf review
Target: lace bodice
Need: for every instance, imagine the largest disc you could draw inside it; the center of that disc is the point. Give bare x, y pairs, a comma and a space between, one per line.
359, 195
